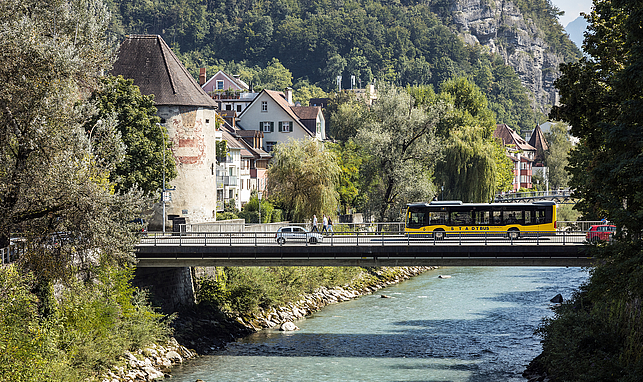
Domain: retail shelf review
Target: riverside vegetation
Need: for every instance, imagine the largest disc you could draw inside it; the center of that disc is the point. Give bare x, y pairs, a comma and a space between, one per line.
598, 334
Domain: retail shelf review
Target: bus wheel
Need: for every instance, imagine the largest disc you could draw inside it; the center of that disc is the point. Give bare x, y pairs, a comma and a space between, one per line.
438, 234
513, 233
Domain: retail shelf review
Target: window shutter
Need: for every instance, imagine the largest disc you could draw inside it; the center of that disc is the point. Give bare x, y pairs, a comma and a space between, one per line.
260, 126
272, 127
281, 127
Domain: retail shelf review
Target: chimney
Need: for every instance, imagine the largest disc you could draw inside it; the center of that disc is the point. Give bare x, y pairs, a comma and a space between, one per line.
289, 95
202, 78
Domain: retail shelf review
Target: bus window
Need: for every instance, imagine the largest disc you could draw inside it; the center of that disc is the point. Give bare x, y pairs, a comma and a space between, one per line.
513, 216
482, 217
540, 216
438, 218
461, 218
417, 219
497, 218
528, 216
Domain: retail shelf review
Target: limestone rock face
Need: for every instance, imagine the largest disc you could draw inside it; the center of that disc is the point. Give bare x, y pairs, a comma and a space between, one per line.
501, 27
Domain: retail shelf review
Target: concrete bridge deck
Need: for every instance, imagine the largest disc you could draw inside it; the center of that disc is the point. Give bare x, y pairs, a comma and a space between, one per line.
361, 249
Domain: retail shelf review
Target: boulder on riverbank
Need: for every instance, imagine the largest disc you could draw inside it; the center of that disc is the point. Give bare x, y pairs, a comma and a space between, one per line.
288, 327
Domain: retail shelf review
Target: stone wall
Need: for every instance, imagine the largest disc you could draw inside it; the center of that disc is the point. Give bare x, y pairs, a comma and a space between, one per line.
171, 288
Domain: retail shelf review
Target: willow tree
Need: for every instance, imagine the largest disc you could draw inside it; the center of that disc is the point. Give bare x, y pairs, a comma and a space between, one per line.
302, 178
469, 165
399, 138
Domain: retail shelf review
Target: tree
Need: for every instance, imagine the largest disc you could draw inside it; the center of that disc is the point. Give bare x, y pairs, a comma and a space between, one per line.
140, 131
601, 101
349, 158
471, 168
400, 140
556, 157
52, 178
304, 91
346, 114
275, 76
302, 178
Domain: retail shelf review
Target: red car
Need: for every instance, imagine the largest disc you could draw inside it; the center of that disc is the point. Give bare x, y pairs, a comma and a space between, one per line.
603, 232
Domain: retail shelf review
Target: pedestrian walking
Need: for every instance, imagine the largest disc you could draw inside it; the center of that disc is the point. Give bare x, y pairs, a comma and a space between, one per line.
314, 229
330, 225
324, 224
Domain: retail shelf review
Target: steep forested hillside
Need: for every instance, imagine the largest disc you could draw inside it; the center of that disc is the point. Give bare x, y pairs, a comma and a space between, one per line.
403, 42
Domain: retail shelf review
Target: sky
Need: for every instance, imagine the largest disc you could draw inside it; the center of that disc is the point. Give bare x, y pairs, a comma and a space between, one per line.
572, 9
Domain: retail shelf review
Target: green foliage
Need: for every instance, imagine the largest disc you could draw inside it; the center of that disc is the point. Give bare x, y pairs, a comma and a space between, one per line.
139, 129
55, 171
302, 179
556, 157
472, 169
605, 165
349, 157
597, 336
344, 115
566, 212
304, 91
221, 150
226, 216
398, 169
243, 290
400, 42
90, 327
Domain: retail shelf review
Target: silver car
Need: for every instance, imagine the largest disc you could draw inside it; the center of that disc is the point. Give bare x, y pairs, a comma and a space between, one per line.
297, 233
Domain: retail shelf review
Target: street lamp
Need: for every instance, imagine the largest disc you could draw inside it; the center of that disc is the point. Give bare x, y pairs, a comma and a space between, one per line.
259, 194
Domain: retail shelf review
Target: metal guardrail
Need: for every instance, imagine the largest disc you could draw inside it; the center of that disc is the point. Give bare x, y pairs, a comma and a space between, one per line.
533, 195
360, 238
12, 252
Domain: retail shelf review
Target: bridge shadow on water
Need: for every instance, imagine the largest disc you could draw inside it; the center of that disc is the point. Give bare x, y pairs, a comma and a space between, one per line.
495, 345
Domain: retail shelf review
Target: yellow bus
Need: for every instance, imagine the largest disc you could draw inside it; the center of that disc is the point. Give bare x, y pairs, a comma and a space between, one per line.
440, 219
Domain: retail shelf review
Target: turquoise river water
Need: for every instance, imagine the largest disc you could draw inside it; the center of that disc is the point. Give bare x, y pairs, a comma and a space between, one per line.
475, 326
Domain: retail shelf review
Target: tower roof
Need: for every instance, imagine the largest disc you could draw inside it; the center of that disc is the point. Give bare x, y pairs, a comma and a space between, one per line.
538, 141
155, 69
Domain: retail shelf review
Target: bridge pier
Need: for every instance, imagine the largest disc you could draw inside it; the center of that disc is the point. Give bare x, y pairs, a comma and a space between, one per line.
171, 288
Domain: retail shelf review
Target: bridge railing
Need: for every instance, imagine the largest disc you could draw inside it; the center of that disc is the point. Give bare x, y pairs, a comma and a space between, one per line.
551, 194
12, 252
358, 238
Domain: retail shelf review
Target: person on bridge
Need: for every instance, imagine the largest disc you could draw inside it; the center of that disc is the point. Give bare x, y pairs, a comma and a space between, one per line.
314, 229
325, 224
330, 225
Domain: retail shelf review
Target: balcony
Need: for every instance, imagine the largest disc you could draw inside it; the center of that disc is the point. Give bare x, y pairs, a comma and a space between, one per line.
227, 181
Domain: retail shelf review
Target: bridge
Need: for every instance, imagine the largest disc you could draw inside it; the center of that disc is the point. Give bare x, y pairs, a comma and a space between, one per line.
365, 249
559, 196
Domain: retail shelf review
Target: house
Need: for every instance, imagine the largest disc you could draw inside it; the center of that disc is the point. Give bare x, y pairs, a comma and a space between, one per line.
520, 152
229, 92
274, 114
188, 114
229, 172
254, 162
538, 141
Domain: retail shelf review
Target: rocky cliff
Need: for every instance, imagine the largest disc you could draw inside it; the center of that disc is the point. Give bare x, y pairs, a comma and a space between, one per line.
500, 26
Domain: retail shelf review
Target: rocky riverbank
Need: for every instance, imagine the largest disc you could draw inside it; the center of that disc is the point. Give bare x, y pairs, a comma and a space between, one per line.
209, 331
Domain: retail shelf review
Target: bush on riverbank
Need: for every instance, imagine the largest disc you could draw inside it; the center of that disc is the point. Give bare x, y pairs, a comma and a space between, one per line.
598, 334
243, 290
87, 328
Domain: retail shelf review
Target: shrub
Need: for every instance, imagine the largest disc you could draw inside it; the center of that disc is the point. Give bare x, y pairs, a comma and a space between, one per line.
276, 216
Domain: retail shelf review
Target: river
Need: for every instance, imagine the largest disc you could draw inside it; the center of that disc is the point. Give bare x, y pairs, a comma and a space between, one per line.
475, 326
